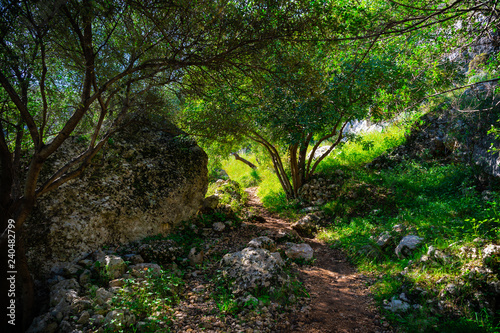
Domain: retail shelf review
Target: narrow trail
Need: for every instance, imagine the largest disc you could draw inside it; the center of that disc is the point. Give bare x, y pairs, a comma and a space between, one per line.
340, 300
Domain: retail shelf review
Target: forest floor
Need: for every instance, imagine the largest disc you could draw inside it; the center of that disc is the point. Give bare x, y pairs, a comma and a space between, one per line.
340, 298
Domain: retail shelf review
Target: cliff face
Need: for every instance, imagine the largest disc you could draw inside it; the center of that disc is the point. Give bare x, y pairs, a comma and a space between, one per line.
145, 181
450, 136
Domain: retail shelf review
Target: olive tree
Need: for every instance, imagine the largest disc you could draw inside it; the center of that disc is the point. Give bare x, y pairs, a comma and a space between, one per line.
306, 99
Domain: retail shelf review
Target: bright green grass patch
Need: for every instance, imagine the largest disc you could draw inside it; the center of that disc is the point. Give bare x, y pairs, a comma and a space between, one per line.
242, 173
364, 149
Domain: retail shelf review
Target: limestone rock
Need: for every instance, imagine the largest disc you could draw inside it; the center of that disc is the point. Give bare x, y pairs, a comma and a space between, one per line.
160, 251
80, 303
219, 226
491, 256
284, 235
253, 268
43, 324
134, 258
396, 305
97, 319
196, 257
263, 242
84, 318
119, 319
85, 277
436, 256
319, 152
115, 266
116, 283
407, 245
210, 203
102, 296
399, 228
384, 239
228, 188
70, 270
65, 327
64, 291
307, 225
299, 251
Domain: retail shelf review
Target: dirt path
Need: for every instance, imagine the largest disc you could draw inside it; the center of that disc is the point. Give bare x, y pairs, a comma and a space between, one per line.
340, 301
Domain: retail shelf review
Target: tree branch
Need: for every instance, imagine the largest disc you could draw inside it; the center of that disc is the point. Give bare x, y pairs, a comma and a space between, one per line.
339, 138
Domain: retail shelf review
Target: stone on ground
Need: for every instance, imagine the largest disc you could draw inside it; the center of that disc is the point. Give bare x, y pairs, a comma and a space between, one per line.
299, 251
407, 245
253, 268
263, 242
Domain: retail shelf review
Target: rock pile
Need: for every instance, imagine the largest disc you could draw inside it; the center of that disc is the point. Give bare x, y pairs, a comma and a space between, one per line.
319, 190
477, 282
86, 295
72, 306
308, 225
259, 267
253, 269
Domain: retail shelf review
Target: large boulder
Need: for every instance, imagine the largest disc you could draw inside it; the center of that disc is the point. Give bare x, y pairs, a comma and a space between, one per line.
145, 181
253, 268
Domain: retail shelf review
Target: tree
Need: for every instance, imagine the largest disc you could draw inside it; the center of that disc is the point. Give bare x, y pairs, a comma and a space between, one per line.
308, 97
87, 67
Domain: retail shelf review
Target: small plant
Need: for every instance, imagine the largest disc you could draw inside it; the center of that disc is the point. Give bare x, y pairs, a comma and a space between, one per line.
223, 297
150, 298
101, 274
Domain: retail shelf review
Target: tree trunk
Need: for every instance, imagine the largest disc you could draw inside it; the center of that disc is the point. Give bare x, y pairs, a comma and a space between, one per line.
295, 170
247, 162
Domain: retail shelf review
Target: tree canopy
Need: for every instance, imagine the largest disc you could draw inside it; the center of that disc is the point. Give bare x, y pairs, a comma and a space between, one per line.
310, 92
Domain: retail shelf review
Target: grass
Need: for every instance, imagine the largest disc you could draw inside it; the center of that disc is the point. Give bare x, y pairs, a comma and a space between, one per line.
357, 153
242, 173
